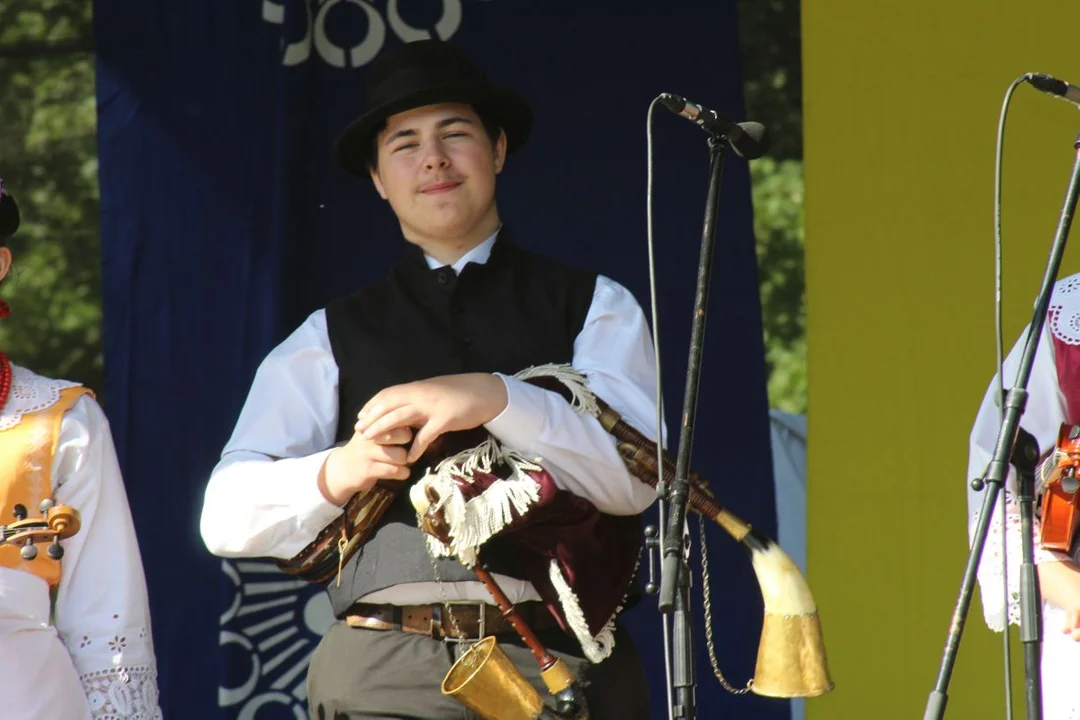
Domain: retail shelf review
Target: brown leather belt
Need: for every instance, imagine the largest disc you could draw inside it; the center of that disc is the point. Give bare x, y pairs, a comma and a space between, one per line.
473, 620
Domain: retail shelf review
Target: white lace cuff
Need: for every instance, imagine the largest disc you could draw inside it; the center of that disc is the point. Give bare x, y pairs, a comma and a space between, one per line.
990, 570
123, 693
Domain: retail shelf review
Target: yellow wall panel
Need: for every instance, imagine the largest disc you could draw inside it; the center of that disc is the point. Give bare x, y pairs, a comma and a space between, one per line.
901, 109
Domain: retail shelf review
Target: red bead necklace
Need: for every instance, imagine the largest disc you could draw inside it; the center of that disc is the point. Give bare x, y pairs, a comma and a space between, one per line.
5, 379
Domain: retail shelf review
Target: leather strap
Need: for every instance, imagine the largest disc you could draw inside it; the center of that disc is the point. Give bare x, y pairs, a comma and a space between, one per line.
473, 620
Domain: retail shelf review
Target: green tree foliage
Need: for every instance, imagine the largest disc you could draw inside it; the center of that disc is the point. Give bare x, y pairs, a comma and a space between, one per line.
770, 51
778, 225
48, 159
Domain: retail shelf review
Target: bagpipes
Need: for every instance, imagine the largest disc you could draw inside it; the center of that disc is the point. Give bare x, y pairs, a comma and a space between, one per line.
791, 658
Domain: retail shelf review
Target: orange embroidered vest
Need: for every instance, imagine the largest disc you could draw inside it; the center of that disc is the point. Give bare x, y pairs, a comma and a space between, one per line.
26, 460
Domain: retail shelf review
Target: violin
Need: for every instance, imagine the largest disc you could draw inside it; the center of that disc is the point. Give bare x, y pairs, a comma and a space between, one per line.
1057, 480
56, 522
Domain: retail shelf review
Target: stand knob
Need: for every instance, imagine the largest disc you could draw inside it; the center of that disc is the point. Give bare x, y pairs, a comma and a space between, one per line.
652, 542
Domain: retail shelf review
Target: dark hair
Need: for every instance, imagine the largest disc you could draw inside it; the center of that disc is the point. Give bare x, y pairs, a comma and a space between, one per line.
9, 217
491, 127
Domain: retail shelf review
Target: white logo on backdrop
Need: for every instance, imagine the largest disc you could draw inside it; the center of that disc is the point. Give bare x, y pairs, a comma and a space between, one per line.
360, 50
268, 636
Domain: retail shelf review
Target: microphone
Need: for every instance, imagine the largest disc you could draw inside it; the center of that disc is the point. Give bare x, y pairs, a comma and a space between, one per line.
1053, 86
748, 139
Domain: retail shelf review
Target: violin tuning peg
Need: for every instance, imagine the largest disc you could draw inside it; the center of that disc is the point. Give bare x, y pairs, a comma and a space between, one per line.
55, 550
28, 552
19, 511
46, 505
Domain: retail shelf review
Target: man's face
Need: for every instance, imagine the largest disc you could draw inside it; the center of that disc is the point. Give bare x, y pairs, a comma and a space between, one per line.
437, 168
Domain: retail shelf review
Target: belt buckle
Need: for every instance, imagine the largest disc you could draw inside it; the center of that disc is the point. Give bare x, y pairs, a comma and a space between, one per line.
482, 614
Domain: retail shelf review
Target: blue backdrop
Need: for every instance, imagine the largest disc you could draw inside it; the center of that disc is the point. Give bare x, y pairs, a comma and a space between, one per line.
225, 222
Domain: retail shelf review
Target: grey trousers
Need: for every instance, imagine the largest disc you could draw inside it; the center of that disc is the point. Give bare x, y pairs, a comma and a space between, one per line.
386, 674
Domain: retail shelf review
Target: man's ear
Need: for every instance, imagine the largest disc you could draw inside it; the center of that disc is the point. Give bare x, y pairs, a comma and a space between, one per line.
500, 152
378, 183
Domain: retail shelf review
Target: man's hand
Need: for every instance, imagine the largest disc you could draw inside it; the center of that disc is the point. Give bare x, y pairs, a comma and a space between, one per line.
362, 462
433, 407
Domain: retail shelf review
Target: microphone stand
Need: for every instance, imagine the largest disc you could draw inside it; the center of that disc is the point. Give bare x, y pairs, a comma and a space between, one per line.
1021, 449
675, 572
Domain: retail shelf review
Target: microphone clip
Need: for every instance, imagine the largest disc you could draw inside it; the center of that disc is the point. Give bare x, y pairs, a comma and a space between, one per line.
748, 139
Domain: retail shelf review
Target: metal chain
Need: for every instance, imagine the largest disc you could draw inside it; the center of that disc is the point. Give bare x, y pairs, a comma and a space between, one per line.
707, 600
454, 627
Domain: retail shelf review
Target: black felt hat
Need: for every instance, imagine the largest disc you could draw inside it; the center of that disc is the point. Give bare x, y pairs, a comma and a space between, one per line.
421, 73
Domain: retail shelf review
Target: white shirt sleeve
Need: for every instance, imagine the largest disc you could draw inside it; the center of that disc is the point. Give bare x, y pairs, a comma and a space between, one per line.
263, 499
614, 350
102, 614
1044, 413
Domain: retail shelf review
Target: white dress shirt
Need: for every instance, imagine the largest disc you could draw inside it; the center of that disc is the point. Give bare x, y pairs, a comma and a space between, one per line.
89, 653
262, 499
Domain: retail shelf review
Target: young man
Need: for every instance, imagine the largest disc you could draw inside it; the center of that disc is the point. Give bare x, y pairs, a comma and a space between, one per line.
1054, 398
360, 392
75, 639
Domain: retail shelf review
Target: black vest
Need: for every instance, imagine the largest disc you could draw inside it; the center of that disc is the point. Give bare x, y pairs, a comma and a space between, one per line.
515, 311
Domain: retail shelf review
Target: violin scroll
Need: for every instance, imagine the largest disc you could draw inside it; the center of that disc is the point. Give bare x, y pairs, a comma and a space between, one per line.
55, 523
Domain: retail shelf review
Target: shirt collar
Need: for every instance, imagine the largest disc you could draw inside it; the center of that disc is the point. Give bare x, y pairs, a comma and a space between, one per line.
478, 255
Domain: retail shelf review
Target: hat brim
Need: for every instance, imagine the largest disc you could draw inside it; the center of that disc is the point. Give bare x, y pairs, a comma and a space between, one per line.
507, 108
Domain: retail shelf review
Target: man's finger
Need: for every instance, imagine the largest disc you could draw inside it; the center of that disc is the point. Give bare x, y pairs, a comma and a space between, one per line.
390, 471
397, 436
381, 403
393, 454
402, 417
424, 437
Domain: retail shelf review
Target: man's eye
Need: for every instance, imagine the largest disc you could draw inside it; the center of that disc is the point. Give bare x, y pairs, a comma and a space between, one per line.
407, 146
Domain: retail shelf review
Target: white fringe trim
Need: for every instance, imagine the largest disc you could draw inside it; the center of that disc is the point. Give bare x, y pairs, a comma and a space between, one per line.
596, 648
583, 400
476, 521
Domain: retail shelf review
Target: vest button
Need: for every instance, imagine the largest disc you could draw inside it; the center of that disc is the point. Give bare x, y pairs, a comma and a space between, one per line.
443, 276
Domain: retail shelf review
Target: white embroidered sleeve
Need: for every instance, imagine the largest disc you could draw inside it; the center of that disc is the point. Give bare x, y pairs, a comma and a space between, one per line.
614, 351
1044, 414
102, 614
